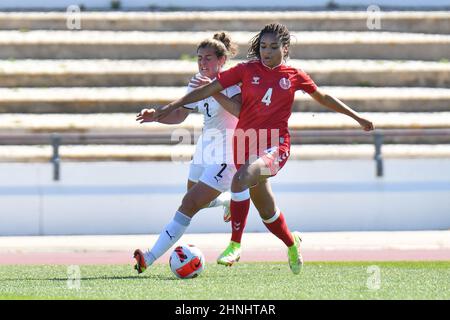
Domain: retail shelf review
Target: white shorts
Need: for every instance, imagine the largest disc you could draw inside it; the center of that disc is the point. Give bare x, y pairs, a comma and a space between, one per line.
217, 176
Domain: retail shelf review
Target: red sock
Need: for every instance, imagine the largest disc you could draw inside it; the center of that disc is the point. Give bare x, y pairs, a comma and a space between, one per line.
277, 225
239, 212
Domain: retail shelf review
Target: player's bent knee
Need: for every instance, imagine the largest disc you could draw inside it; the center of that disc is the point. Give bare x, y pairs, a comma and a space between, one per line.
241, 180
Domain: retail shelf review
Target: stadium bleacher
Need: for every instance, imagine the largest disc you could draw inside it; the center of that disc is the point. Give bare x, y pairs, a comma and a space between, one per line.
94, 80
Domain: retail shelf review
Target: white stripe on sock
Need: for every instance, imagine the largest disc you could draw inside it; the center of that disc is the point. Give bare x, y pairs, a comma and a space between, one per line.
240, 196
275, 216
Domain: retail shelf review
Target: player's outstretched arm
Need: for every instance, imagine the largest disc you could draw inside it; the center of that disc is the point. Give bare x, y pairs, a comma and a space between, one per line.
232, 105
337, 105
193, 96
175, 117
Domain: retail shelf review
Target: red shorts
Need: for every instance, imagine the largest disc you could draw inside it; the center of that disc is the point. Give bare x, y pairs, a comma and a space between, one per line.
275, 156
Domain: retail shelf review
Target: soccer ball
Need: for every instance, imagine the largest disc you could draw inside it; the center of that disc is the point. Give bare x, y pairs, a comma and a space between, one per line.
187, 261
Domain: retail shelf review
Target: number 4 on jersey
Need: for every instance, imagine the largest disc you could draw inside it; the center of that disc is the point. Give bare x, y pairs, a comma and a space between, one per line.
267, 97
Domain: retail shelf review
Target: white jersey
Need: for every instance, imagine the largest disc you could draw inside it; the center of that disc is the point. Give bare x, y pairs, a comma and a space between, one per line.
214, 115
212, 162
214, 146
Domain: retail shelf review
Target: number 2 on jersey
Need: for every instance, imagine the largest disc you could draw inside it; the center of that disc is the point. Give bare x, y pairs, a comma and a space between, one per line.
207, 109
267, 97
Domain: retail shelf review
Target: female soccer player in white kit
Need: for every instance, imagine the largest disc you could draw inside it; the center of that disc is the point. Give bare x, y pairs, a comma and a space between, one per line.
212, 168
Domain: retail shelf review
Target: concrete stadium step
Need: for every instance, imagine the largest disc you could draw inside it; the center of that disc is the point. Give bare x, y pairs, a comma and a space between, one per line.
183, 153
44, 44
133, 99
116, 73
125, 122
409, 21
155, 133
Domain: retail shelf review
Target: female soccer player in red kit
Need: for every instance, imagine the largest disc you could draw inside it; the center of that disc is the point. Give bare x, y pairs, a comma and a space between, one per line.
268, 89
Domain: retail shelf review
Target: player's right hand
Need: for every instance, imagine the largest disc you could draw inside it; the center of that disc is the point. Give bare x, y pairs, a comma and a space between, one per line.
146, 115
198, 81
367, 125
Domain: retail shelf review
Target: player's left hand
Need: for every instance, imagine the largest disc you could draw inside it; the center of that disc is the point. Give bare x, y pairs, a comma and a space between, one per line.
365, 124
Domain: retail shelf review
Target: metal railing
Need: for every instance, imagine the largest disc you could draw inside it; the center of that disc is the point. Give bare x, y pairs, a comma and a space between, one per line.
377, 137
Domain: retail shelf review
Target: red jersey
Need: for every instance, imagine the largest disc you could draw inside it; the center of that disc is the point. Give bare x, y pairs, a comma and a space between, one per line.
267, 94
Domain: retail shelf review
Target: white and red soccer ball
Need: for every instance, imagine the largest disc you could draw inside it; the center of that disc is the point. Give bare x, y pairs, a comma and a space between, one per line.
187, 261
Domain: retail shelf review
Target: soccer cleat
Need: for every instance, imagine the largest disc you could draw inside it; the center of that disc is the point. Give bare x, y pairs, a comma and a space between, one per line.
141, 265
294, 256
226, 212
231, 254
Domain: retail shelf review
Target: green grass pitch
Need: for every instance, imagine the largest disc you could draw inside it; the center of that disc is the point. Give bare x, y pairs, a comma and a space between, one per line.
318, 280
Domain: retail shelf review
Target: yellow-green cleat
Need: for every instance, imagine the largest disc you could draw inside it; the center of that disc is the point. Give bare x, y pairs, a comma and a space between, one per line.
294, 256
231, 254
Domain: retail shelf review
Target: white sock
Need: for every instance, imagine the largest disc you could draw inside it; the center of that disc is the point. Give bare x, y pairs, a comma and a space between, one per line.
168, 237
222, 200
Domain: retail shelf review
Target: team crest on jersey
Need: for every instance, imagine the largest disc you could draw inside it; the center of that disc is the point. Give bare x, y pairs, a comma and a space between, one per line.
285, 83
255, 80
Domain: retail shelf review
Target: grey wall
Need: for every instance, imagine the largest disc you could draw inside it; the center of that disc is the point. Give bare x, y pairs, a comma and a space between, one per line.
136, 197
